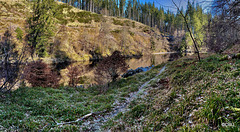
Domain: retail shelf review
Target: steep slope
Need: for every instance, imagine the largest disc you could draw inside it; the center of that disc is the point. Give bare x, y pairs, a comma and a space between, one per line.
80, 34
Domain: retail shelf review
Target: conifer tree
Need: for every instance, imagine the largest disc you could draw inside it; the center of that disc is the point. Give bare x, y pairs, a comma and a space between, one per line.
122, 6
41, 26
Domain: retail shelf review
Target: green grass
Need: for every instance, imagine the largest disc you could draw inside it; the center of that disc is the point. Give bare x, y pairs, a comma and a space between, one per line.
31, 109
202, 96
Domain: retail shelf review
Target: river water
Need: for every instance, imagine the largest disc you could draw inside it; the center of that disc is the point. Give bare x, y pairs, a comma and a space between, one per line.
87, 67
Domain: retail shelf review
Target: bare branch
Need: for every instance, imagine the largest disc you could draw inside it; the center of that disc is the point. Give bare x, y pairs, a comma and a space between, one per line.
191, 35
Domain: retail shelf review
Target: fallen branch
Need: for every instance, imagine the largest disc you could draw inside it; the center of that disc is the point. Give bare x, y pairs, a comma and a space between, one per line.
70, 122
79, 119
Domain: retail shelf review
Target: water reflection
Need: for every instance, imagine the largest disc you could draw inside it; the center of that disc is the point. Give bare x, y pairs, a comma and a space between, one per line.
134, 63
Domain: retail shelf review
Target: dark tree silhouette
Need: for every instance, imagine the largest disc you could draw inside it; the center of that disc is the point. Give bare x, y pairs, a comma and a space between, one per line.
223, 31
10, 63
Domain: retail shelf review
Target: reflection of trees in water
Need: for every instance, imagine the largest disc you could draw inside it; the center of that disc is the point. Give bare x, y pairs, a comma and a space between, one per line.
85, 72
134, 63
174, 56
93, 63
158, 59
61, 65
150, 60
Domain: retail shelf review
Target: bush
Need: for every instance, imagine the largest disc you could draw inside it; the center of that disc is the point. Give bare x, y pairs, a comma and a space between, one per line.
10, 65
133, 24
116, 31
118, 22
39, 74
146, 30
131, 33
19, 33
109, 69
74, 73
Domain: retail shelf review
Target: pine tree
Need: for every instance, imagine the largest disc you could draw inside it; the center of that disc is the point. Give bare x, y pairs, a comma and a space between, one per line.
122, 7
41, 26
128, 10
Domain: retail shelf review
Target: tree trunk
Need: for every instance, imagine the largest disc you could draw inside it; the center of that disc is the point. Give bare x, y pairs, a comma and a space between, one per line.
90, 5
191, 35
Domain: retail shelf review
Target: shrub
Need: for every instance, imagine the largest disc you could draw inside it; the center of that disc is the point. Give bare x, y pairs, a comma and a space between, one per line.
10, 65
19, 33
131, 33
110, 68
74, 73
133, 24
224, 58
146, 29
97, 17
116, 31
39, 74
118, 22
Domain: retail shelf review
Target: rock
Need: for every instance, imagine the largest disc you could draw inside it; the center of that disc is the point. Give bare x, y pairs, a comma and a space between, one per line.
138, 70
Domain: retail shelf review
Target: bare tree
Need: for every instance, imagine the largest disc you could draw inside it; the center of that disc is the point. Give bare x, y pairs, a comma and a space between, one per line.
10, 63
224, 28
187, 25
74, 74
123, 37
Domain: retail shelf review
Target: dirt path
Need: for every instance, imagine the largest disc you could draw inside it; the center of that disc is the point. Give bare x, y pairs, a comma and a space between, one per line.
98, 122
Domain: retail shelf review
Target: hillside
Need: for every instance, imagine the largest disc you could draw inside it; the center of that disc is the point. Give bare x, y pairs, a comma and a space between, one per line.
79, 33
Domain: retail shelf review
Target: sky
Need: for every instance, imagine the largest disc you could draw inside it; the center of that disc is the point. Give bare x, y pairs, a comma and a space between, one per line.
167, 4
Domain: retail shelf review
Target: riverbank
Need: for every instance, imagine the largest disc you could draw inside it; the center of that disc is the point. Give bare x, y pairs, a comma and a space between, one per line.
187, 95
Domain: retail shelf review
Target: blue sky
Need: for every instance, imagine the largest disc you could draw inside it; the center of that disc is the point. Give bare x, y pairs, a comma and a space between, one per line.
167, 4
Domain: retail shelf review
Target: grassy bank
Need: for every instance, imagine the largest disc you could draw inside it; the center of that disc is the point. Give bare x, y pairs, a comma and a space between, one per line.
31, 109
188, 96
